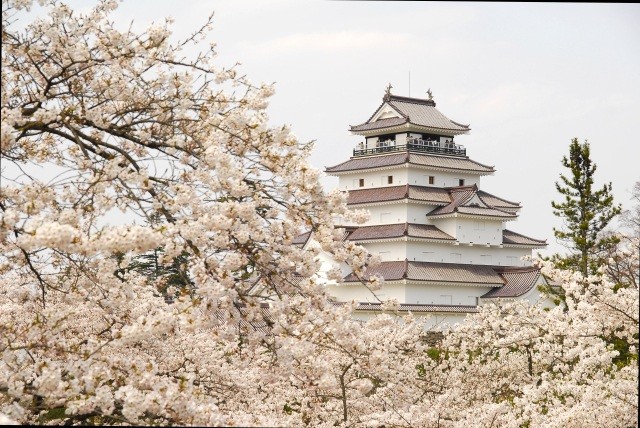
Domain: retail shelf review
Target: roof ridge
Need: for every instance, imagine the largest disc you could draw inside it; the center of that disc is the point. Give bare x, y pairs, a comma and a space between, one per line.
421, 101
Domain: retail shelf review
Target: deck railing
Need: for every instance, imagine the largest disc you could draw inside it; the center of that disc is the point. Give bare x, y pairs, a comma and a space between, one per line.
413, 145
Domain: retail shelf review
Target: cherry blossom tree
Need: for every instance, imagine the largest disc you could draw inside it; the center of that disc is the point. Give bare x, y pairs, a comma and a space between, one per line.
116, 145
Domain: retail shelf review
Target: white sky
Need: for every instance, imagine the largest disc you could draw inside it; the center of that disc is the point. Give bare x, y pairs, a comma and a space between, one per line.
528, 77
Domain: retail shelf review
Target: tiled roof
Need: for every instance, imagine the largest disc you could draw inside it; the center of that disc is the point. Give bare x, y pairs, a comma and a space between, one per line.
369, 162
518, 282
387, 231
393, 193
424, 114
513, 238
261, 323
406, 307
462, 201
449, 162
508, 281
497, 202
432, 272
416, 111
434, 161
382, 123
302, 239
489, 212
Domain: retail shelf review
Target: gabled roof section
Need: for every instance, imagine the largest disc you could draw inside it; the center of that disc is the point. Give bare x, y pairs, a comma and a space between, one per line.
510, 237
433, 272
435, 195
518, 281
466, 200
413, 111
442, 163
390, 231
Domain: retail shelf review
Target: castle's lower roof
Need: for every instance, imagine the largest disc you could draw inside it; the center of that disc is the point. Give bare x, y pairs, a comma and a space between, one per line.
389, 231
435, 195
432, 272
506, 281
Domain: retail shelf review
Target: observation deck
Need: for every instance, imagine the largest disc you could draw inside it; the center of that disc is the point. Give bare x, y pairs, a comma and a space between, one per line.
413, 145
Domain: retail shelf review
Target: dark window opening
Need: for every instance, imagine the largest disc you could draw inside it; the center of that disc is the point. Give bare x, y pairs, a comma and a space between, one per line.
461, 182
390, 179
432, 179
361, 182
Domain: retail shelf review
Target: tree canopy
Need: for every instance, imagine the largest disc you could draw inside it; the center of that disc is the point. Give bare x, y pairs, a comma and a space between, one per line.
585, 211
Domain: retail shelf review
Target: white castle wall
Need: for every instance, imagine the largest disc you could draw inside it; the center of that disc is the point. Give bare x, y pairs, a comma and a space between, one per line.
403, 175
438, 321
477, 231
448, 253
411, 293
420, 177
399, 212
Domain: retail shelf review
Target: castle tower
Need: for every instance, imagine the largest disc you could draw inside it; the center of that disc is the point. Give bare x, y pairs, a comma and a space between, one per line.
446, 245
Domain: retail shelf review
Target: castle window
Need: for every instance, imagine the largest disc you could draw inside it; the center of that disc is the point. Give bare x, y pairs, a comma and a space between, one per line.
361, 182
390, 179
432, 179
461, 182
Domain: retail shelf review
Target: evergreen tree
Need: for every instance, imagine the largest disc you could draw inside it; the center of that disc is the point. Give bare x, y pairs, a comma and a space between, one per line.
586, 213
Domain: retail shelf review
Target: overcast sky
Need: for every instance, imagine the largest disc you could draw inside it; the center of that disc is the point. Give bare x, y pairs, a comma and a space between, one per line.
527, 77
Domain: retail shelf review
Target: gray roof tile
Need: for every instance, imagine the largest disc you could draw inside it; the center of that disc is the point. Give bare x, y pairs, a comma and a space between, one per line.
388, 231
513, 238
436, 195
518, 282
441, 162
432, 272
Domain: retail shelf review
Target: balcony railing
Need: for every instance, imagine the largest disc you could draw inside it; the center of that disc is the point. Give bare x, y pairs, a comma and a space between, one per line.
413, 145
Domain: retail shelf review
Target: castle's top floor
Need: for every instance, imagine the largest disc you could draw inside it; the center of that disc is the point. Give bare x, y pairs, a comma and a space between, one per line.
409, 124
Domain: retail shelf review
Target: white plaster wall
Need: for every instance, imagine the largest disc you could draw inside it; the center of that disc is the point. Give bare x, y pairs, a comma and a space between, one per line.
417, 213
372, 179
410, 293
479, 231
388, 251
387, 214
442, 253
411, 175
447, 225
431, 322
401, 139
360, 293
444, 294
420, 177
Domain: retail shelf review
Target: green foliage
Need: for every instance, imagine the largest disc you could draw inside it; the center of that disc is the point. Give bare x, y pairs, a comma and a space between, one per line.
162, 273
585, 211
